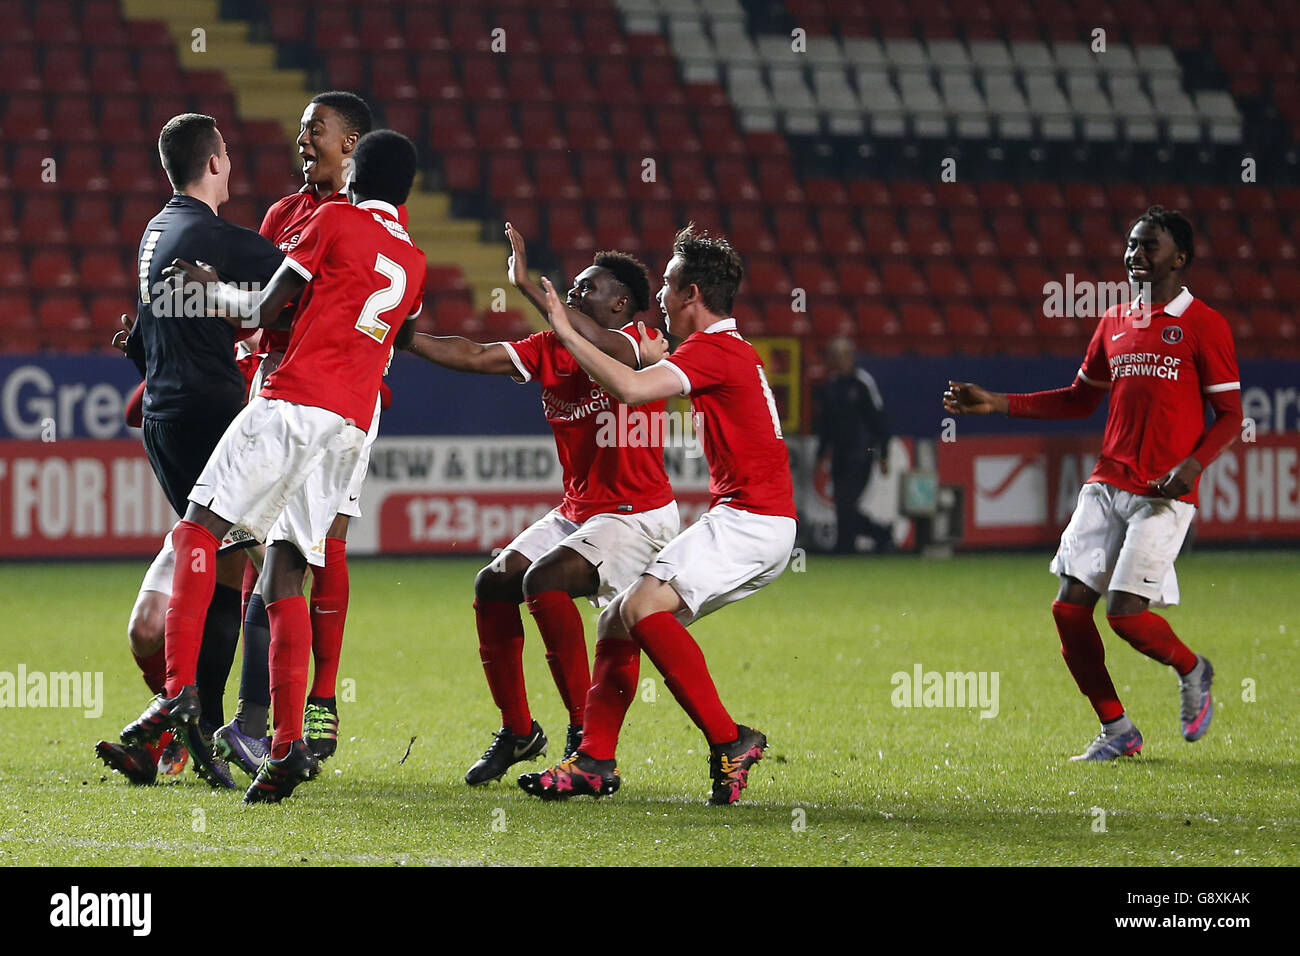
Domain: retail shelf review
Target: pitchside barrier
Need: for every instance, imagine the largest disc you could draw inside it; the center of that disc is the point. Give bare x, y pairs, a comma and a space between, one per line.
466, 462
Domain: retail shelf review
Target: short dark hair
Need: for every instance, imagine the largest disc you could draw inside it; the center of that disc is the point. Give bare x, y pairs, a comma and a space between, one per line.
1176, 224
710, 263
185, 145
631, 272
384, 165
353, 109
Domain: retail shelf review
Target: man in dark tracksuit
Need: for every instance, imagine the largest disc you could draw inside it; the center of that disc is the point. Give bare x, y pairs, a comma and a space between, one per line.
851, 428
193, 389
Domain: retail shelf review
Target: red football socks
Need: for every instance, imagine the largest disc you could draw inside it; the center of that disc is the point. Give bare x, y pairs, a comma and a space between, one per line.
154, 669
1152, 635
672, 649
193, 582
290, 653
329, 611
613, 684
560, 622
1086, 657
501, 649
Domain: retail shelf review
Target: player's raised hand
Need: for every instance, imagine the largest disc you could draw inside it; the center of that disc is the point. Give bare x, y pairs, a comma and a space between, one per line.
120, 337
555, 310
654, 346
517, 264
1177, 482
966, 398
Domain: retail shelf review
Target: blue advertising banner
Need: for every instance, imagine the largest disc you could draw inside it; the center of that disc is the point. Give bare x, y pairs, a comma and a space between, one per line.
84, 396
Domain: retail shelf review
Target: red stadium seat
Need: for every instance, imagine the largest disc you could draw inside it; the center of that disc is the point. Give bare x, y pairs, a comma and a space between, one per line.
814, 277
901, 278
391, 77
945, 279
1042, 196
63, 69
494, 128
42, 221
111, 71
91, 220
613, 228
18, 73
566, 228
794, 234
859, 280
51, 269
747, 226
135, 169
508, 177
526, 81
556, 171
25, 118
990, 281
13, 274
881, 233
600, 178
767, 277
659, 224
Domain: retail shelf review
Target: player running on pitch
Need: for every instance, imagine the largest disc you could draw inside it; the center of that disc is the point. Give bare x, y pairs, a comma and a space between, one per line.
1162, 357
285, 462
618, 509
739, 546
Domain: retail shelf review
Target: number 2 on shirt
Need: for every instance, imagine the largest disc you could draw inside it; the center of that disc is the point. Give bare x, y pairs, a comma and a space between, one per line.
381, 300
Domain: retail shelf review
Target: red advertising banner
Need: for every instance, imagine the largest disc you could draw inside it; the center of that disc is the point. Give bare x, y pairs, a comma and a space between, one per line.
1021, 490
79, 498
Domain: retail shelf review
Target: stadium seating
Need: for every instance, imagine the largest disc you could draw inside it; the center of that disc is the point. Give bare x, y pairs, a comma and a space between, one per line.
612, 122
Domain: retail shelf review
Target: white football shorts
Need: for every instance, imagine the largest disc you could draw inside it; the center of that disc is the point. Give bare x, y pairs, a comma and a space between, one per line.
724, 557
1119, 541
618, 545
281, 471
352, 500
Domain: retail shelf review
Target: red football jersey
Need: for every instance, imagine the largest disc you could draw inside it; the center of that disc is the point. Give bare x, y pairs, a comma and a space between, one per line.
283, 225
1159, 368
740, 429
607, 467
365, 277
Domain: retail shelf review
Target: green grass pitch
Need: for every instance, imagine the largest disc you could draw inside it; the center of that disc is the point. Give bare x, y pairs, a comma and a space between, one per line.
848, 779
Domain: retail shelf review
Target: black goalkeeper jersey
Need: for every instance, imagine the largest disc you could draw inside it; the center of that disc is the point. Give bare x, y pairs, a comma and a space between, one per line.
188, 360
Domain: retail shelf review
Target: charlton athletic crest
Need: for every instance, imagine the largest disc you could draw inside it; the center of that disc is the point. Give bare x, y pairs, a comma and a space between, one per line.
1173, 335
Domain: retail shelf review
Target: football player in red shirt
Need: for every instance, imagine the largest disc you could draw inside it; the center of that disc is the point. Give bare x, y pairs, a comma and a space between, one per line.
618, 509
329, 130
1162, 358
740, 545
287, 459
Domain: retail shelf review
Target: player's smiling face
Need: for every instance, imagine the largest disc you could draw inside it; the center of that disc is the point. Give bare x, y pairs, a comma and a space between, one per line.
324, 144
1151, 255
596, 294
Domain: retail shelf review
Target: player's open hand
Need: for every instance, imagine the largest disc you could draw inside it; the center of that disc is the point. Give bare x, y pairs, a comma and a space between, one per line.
965, 398
517, 264
1178, 482
120, 337
555, 312
654, 346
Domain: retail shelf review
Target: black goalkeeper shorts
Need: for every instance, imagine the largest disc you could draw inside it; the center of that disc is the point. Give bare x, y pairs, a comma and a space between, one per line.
178, 450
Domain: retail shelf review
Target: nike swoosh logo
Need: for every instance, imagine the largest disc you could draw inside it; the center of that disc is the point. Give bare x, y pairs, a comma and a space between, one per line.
353, 497
1118, 334
1149, 581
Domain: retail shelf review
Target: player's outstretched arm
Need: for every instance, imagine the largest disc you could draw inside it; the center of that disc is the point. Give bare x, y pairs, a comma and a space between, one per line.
629, 386
462, 355
607, 340
966, 398
242, 309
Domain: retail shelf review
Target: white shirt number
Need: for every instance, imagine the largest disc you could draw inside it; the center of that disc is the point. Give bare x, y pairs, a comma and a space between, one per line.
771, 401
382, 300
